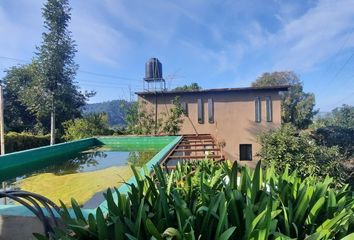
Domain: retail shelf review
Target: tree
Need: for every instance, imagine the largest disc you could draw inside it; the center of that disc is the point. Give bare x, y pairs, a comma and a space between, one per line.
341, 116
141, 120
192, 87
54, 91
297, 149
337, 129
17, 117
173, 122
297, 106
88, 126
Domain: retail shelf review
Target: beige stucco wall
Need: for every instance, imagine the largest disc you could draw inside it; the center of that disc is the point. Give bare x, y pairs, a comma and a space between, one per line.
234, 116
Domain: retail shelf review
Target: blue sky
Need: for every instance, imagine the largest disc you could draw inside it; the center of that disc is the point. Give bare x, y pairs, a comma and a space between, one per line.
225, 43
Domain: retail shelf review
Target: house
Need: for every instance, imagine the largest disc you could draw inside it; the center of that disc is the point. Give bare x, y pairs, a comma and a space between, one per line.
234, 116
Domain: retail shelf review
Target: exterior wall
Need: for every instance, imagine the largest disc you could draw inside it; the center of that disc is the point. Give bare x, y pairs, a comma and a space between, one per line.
234, 116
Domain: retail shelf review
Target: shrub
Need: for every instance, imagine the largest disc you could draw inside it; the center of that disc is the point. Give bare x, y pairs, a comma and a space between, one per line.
296, 149
21, 141
209, 201
94, 124
337, 136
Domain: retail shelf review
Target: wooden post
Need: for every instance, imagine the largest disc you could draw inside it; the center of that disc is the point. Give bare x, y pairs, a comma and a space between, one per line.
2, 138
2, 127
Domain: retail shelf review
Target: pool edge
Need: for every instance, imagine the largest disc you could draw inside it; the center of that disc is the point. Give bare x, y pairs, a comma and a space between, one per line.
16, 210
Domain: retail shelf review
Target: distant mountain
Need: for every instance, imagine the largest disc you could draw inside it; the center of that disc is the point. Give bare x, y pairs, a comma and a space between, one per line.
115, 109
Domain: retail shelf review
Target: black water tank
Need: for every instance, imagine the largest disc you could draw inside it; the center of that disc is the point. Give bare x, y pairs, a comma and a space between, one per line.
153, 69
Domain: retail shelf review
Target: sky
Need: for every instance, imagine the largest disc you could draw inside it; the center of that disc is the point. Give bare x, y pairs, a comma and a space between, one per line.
224, 43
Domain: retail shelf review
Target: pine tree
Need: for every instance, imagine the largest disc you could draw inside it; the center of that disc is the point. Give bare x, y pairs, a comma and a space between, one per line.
54, 92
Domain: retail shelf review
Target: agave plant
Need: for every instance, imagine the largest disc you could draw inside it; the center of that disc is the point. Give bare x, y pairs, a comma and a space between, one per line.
204, 200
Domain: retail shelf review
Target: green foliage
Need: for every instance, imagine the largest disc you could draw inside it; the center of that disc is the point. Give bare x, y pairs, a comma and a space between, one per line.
341, 116
88, 126
140, 119
21, 141
173, 120
297, 106
17, 117
33, 91
115, 110
336, 136
218, 202
192, 87
337, 129
54, 86
297, 149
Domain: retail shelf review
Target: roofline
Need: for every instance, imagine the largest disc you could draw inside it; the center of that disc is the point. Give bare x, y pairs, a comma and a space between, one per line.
216, 90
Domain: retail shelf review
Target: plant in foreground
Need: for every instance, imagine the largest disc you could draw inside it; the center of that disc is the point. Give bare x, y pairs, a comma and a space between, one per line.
218, 201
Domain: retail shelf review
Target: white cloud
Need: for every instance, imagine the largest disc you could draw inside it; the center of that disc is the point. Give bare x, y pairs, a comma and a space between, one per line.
98, 41
222, 60
154, 21
313, 37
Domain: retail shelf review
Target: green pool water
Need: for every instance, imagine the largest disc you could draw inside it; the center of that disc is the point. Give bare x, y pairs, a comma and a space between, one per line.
78, 174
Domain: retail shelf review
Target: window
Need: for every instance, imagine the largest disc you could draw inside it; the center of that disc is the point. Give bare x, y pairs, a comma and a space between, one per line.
200, 111
258, 109
210, 110
185, 108
269, 109
246, 152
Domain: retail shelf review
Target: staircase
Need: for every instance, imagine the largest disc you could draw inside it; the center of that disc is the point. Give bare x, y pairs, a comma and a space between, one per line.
193, 148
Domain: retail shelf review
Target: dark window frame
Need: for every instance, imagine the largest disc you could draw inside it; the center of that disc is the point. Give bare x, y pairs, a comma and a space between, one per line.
269, 109
245, 151
210, 110
185, 108
258, 109
200, 111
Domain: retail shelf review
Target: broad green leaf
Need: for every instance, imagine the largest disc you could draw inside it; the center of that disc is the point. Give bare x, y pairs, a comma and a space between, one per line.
227, 234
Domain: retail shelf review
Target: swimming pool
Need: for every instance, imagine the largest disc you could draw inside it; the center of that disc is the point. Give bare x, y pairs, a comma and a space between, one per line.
93, 164
81, 175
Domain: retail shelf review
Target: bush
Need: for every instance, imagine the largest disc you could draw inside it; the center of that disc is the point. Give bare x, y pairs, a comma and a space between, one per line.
209, 201
288, 146
94, 124
21, 141
336, 136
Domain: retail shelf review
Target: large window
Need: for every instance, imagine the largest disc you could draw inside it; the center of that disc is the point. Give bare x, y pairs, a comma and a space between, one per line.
210, 110
269, 109
257, 109
200, 111
246, 152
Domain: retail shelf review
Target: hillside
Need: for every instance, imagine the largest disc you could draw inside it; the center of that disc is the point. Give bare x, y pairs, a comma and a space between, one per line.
115, 109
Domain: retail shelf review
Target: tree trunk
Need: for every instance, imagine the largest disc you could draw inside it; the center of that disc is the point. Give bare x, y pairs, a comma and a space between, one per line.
52, 125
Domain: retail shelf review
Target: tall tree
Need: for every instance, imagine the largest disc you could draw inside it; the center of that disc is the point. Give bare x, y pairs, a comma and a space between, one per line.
54, 91
297, 106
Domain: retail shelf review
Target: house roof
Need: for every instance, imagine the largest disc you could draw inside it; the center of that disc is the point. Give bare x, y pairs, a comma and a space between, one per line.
217, 90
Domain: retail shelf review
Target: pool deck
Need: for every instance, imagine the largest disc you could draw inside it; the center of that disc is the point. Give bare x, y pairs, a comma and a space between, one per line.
14, 217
